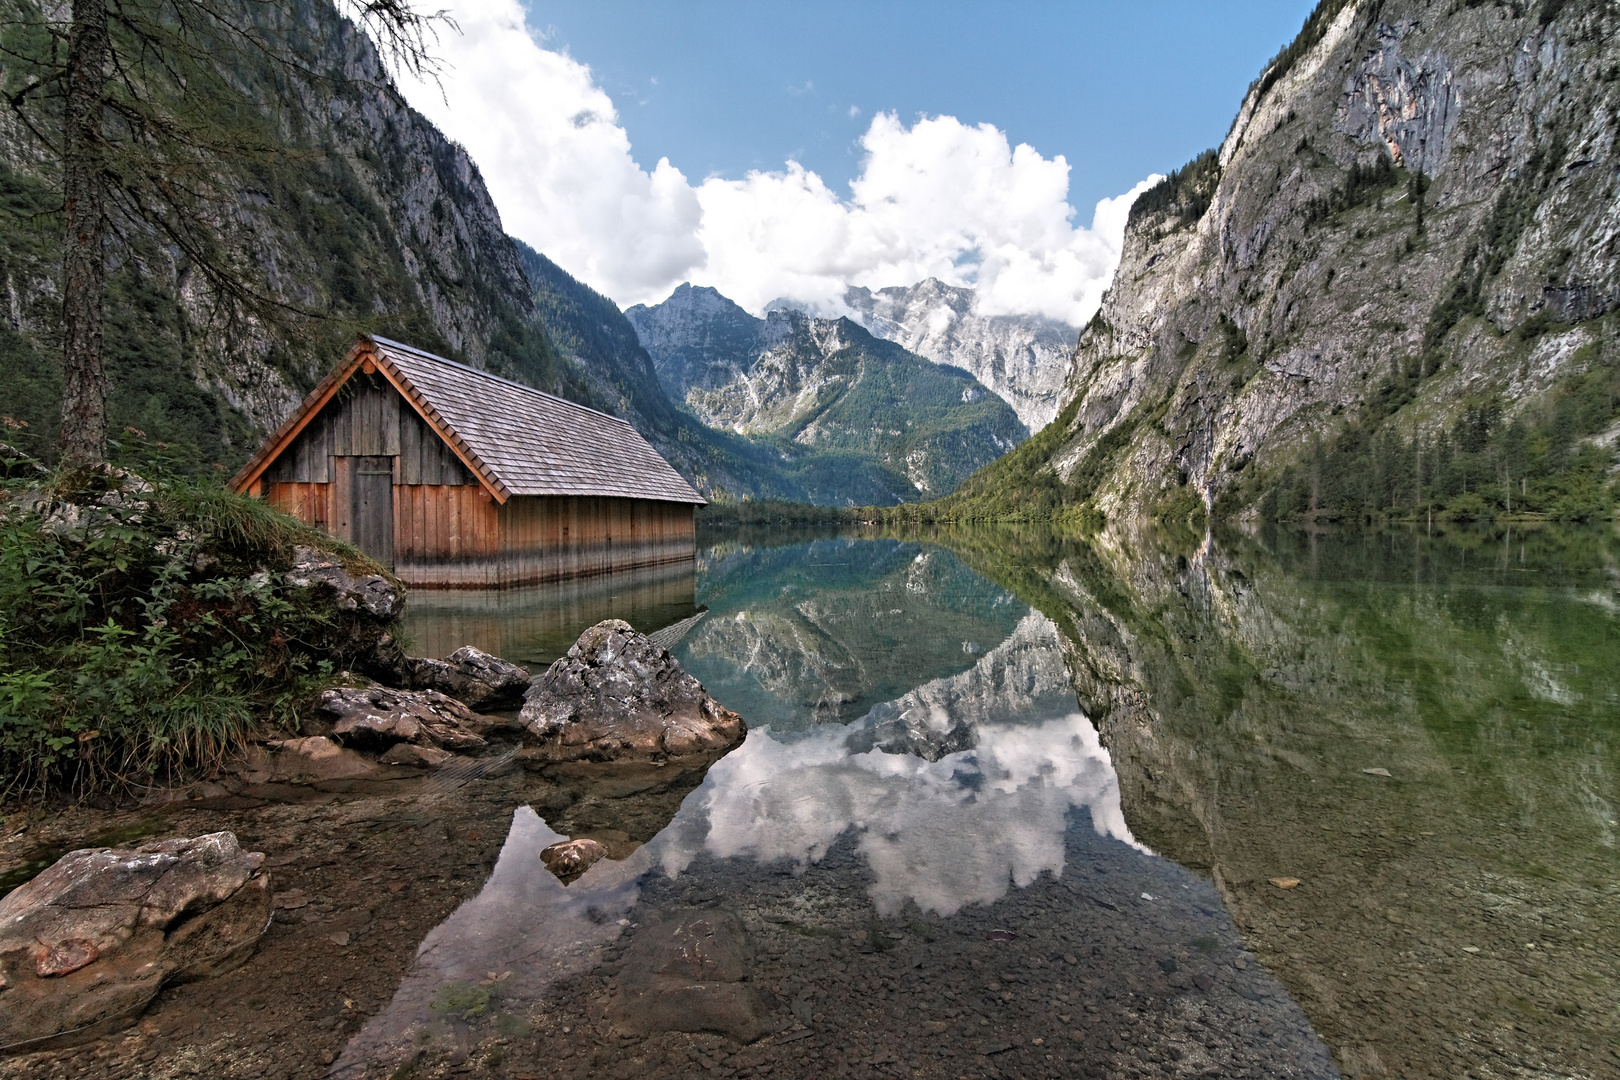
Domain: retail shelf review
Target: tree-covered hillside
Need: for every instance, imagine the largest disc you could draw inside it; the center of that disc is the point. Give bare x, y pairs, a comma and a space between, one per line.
348, 212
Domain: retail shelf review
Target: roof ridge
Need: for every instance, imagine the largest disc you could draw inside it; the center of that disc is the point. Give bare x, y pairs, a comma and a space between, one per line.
424, 354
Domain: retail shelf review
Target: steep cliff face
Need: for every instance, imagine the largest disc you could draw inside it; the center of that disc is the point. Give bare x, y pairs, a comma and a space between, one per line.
365, 217
826, 387
1023, 359
1412, 229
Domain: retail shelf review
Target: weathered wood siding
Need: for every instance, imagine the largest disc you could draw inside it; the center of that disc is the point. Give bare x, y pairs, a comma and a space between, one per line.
309, 503
368, 418
459, 537
552, 538
446, 536
448, 532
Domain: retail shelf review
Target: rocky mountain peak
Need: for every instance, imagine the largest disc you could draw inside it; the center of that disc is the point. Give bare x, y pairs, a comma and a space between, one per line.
1021, 358
825, 384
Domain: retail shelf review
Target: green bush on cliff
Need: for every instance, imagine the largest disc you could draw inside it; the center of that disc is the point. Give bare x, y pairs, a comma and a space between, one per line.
1547, 462
146, 630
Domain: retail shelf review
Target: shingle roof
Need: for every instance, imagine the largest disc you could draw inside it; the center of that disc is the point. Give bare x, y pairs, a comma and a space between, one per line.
533, 443
518, 440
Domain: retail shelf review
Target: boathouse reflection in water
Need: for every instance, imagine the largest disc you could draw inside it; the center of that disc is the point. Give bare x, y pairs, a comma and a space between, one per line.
535, 625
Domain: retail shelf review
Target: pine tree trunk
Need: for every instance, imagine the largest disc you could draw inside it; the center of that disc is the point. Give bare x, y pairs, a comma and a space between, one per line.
83, 435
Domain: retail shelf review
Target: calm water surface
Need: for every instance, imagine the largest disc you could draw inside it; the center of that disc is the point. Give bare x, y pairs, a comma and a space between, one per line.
1013, 805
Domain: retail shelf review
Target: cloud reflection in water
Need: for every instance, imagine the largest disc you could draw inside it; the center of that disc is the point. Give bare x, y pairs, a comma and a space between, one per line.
941, 833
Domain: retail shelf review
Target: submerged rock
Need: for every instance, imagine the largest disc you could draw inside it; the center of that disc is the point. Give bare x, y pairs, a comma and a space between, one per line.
88, 943
471, 676
376, 717
618, 695
430, 757
572, 858
312, 759
684, 972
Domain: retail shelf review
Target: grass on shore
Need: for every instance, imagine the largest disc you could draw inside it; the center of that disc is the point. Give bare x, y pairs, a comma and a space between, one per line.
147, 628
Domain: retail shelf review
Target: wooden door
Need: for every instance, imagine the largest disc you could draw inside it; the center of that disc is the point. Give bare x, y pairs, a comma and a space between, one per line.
371, 513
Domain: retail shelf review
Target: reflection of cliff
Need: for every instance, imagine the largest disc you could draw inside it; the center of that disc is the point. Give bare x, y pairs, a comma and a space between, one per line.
821, 632
1242, 693
1018, 681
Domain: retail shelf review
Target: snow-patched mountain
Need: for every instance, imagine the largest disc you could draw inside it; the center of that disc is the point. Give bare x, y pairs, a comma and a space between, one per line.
1022, 358
827, 385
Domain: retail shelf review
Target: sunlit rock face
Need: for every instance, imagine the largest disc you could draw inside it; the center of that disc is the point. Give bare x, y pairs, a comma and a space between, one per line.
1269, 303
1024, 359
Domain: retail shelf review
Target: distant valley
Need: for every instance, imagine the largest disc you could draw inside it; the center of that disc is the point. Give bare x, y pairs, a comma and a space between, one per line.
828, 386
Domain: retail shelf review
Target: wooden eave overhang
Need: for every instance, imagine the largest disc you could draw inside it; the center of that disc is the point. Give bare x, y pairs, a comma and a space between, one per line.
365, 357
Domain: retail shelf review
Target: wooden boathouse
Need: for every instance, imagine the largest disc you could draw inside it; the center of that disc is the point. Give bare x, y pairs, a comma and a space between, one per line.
456, 478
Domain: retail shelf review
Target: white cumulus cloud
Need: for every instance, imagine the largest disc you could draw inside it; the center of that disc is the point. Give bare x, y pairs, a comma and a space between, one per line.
938, 198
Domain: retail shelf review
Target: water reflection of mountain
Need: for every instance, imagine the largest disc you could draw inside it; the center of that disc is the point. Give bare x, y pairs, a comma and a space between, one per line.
820, 632
1459, 908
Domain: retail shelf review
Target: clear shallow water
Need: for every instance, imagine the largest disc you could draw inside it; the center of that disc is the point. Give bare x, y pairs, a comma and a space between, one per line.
534, 626
916, 864
925, 825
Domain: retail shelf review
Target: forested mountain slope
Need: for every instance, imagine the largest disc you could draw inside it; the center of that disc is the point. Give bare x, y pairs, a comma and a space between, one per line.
1389, 293
363, 216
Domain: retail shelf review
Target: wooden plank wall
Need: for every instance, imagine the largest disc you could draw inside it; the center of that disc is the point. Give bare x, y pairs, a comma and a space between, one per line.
368, 418
309, 503
456, 537
554, 538
446, 536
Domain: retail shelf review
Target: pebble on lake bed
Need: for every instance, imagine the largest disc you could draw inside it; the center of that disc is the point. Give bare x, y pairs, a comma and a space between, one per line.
571, 858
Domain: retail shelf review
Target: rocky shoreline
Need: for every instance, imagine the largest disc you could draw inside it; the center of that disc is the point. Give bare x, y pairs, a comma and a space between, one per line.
89, 943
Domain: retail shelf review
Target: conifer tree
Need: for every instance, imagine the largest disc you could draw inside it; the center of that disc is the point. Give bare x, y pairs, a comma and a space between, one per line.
130, 97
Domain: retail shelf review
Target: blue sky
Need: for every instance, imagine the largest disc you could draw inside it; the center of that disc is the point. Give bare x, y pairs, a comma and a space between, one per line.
1119, 89
795, 150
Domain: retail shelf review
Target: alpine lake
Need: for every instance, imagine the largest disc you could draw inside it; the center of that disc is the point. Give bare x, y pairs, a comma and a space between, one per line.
1011, 804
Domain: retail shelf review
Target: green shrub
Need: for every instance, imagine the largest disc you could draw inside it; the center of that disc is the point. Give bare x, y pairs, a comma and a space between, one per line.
148, 630
1467, 507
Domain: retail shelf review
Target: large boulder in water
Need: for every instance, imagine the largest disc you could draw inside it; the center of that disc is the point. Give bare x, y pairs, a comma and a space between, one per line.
86, 945
616, 696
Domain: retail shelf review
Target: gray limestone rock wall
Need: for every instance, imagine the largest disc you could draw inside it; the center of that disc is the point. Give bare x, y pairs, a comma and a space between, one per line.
366, 216
1242, 333
1024, 359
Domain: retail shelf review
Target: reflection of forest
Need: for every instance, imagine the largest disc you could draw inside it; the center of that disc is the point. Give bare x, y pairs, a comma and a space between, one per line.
1460, 910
